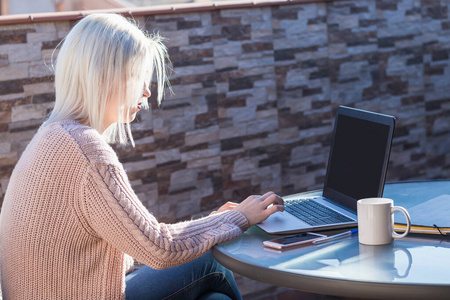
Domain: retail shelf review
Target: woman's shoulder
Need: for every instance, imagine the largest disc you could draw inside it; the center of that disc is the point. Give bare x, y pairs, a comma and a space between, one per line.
89, 141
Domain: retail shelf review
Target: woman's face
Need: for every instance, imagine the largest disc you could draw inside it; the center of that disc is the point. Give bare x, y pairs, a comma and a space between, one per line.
133, 110
113, 107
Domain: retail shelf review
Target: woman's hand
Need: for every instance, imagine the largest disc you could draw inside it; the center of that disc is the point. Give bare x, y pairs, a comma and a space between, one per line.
259, 208
225, 207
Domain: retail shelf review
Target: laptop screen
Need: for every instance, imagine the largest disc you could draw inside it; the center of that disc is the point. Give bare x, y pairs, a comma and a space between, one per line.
359, 156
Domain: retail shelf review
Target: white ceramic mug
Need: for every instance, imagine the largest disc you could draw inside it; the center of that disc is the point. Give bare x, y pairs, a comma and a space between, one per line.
376, 221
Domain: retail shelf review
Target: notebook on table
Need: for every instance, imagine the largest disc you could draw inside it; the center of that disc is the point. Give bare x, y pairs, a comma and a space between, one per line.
429, 217
357, 166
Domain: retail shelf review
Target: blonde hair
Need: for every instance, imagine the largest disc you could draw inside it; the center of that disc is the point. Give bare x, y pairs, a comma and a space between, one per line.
106, 56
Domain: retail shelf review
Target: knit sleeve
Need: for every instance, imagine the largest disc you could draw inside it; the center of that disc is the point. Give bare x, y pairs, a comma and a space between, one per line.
116, 215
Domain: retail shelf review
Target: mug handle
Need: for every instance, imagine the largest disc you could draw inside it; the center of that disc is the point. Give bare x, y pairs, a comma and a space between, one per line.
408, 222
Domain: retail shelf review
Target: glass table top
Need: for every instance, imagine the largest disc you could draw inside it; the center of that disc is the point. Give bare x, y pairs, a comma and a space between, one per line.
413, 260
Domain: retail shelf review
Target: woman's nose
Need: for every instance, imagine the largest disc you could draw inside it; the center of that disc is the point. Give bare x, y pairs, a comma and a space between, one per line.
146, 93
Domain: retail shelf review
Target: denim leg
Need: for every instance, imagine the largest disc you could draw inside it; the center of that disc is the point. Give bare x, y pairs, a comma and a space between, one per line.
203, 277
214, 296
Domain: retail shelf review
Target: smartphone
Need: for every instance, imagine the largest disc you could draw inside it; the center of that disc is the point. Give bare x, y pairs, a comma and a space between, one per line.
293, 240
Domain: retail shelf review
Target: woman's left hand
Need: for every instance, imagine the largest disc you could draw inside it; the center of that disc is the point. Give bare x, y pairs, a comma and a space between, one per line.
225, 207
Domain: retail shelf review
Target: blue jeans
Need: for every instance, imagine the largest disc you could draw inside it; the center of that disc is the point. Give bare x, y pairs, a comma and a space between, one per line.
203, 278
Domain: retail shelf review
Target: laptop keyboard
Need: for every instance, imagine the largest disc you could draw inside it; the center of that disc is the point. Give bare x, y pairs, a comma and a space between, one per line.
314, 213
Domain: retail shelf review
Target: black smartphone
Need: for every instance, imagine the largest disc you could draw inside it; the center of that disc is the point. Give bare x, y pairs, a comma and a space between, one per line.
293, 240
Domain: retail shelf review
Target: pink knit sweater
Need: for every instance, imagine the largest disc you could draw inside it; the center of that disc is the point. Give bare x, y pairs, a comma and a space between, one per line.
70, 222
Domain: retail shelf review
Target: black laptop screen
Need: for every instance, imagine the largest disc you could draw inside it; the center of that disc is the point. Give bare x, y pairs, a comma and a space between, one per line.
357, 157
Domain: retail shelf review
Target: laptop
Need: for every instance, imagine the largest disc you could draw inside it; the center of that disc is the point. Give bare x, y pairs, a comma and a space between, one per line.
357, 167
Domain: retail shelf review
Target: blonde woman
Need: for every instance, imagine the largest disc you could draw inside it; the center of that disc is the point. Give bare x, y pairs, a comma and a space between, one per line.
71, 223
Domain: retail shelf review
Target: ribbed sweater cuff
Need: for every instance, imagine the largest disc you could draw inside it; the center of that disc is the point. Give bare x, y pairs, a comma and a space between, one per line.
236, 217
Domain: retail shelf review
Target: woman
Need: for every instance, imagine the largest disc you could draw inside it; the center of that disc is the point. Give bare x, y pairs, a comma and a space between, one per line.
71, 223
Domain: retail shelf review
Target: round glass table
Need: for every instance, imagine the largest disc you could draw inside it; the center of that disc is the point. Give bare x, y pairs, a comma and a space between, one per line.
415, 267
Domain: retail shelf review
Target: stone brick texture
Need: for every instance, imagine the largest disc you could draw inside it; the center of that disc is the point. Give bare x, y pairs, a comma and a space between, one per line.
256, 91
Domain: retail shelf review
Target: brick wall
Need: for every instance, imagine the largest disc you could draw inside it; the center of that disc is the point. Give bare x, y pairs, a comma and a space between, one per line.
256, 90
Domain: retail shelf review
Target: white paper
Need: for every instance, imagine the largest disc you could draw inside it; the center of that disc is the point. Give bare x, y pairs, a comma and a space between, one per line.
434, 211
